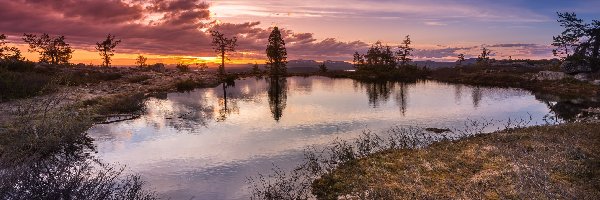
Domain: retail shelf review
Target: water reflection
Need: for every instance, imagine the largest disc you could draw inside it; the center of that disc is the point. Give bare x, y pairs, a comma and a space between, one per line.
278, 96
476, 95
205, 143
226, 108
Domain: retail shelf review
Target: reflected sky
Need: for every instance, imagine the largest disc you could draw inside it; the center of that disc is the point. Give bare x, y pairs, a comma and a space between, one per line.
204, 143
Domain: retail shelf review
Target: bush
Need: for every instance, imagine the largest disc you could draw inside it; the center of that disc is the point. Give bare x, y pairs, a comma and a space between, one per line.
14, 85
121, 104
183, 68
45, 153
186, 85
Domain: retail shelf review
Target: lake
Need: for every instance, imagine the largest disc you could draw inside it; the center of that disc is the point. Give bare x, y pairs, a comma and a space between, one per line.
206, 142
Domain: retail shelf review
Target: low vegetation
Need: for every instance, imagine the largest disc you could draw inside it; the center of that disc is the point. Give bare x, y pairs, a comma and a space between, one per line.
548, 162
45, 153
542, 162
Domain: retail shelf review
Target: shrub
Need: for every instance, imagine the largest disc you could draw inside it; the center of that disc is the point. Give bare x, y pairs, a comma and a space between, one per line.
186, 85
122, 104
14, 85
45, 153
182, 67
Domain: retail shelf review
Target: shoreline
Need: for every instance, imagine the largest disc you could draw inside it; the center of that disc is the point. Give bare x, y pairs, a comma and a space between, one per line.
547, 161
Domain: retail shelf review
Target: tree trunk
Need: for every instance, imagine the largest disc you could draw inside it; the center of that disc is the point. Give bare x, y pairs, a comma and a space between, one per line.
222, 69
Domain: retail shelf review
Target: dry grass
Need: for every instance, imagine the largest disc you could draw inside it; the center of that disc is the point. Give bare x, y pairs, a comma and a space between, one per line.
546, 162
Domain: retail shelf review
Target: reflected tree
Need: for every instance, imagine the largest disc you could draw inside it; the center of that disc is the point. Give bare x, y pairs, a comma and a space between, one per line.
401, 98
378, 91
226, 107
277, 95
457, 92
476, 95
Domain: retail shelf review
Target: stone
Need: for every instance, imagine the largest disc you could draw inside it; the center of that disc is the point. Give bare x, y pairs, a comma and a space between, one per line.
570, 67
581, 77
549, 75
595, 82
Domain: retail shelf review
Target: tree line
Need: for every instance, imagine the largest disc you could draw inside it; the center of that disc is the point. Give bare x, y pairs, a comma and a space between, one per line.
56, 51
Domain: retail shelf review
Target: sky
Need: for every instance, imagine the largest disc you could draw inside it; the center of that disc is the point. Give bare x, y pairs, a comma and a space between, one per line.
173, 31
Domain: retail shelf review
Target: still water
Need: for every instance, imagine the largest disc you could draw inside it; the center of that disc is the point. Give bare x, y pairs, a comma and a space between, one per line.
203, 144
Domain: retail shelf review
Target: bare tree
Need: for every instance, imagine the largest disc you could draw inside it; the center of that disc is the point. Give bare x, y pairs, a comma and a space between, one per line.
141, 61
52, 50
107, 49
222, 45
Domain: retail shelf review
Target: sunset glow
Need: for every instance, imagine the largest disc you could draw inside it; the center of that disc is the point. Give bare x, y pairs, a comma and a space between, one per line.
177, 31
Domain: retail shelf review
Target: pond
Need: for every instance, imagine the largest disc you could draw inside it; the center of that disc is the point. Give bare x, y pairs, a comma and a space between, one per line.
203, 144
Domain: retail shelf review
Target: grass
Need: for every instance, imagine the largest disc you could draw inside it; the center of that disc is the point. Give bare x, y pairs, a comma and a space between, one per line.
116, 104
545, 162
190, 84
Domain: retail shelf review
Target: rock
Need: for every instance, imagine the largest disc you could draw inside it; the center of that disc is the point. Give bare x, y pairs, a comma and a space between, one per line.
549, 75
595, 82
581, 77
570, 67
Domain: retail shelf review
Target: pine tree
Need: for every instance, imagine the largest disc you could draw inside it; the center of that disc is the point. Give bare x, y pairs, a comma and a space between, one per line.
404, 52
276, 53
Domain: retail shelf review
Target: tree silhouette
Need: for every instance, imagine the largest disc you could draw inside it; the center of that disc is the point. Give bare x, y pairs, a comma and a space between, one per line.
322, 68
255, 69
404, 52
141, 61
52, 50
203, 67
222, 45
276, 53
8, 53
580, 38
106, 49
461, 59
484, 57
182, 67
379, 58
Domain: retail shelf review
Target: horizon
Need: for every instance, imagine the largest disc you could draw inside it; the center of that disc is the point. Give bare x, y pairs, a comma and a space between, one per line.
176, 31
